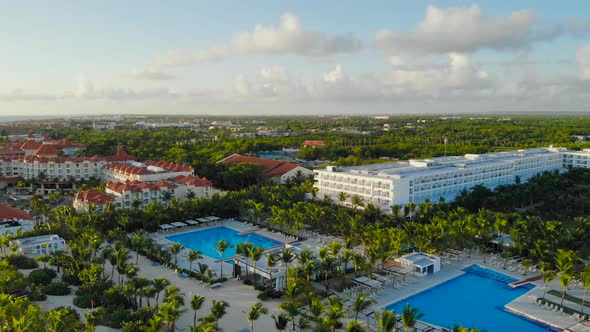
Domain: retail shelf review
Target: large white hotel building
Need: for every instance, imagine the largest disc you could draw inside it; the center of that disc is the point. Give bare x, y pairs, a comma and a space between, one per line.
418, 180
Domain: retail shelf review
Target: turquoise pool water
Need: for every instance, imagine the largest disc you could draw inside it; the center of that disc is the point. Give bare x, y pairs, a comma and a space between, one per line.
270, 155
204, 240
474, 299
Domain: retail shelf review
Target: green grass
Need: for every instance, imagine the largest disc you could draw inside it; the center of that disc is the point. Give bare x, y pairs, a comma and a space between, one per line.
569, 297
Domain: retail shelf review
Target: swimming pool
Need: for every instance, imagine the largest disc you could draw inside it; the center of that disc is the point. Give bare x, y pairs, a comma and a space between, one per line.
204, 240
473, 299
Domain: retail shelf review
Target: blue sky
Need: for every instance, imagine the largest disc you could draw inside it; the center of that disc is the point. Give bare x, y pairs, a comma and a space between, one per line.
281, 57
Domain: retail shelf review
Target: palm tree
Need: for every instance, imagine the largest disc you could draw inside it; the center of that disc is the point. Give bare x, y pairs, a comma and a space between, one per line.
409, 209
458, 328
386, 321
137, 244
547, 277
160, 284
220, 248
327, 263
192, 256
585, 278
354, 326
242, 249
170, 313
175, 249
356, 201
287, 256
316, 310
271, 261
410, 317
196, 303
336, 312
342, 197
255, 254
218, 310
564, 262
281, 321
292, 309
256, 310
361, 303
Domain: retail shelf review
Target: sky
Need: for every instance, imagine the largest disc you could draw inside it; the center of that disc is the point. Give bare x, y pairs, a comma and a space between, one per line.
293, 57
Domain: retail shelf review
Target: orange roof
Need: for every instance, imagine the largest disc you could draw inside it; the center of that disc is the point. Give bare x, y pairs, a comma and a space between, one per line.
270, 167
191, 180
137, 186
122, 155
170, 166
30, 145
10, 213
47, 150
314, 143
93, 196
9, 180
127, 169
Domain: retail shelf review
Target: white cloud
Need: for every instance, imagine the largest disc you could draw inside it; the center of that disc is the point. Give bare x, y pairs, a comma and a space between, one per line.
436, 79
290, 37
461, 30
583, 61
150, 73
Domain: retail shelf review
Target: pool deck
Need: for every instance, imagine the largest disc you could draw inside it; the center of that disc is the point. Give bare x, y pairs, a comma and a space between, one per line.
523, 305
213, 262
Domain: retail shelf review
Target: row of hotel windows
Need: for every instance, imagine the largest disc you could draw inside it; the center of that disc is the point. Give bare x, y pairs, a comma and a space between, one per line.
357, 181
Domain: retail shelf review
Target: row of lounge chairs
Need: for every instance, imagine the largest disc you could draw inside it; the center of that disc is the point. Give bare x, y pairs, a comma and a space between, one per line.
556, 308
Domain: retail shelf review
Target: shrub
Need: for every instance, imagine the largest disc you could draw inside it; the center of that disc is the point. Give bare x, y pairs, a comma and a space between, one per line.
71, 279
57, 288
42, 276
37, 293
263, 296
22, 262
112, 317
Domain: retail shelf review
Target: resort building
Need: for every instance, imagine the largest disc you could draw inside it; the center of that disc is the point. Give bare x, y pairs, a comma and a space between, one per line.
276, 170
149, 171
126, 193
11, 220
314, 144
46, 164
92, 197
422, 264
443, 177
193, 186
39, 245
63, 147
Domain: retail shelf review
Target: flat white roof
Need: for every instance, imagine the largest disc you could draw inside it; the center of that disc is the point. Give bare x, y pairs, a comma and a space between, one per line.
439, 165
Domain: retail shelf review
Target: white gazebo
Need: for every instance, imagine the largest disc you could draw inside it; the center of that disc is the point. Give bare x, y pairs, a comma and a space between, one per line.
422, 264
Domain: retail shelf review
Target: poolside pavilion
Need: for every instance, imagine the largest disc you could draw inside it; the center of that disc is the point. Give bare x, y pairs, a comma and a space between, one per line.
421, 263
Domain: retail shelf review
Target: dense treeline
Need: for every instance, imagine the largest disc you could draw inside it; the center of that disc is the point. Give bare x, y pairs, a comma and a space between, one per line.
407, 138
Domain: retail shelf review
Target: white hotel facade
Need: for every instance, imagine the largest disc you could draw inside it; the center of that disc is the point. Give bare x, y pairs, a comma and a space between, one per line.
418, 180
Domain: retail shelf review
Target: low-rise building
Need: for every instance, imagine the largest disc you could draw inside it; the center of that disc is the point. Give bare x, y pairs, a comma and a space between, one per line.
276, 170
12, 219
39, 245
150, 171
314, 144
83, 200
126, 193
190, 186
422, 264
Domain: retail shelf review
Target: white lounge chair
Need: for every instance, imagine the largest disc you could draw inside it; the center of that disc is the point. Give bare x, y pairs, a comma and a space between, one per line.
215, 285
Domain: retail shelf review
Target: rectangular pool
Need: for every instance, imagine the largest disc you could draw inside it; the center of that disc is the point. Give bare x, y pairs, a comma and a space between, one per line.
474, 299
204, 240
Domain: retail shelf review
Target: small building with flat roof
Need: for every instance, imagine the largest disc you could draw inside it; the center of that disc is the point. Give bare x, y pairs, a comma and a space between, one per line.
39, 245
422, 264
